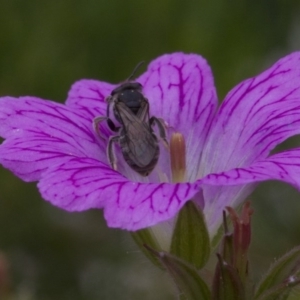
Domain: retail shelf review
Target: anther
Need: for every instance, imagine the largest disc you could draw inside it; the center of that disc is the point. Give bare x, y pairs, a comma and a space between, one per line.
177, 153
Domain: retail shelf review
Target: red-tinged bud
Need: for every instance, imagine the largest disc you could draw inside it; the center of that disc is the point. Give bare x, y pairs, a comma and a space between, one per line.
231, 273
241, 237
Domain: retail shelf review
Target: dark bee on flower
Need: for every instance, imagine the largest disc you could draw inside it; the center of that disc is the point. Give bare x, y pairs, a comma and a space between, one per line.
137, 140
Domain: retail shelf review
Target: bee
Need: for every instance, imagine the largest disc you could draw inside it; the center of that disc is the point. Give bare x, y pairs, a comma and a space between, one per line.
138, 142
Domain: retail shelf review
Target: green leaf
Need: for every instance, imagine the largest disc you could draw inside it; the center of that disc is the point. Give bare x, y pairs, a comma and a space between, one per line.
283, 275
145, 237
185, 276
190, 239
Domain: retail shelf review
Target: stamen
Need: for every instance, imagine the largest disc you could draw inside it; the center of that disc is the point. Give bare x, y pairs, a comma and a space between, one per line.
177, 152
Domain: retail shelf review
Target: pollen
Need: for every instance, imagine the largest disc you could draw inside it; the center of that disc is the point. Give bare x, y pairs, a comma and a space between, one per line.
177, 153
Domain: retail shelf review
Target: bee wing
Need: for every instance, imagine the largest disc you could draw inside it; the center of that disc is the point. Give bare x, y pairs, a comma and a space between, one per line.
140, 140
143, 113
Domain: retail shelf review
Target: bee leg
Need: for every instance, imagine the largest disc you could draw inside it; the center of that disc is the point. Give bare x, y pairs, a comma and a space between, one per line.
161, 128
96, 123
110, 151
110, 124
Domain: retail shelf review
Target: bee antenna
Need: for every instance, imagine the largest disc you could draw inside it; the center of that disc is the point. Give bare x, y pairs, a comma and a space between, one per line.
135, 69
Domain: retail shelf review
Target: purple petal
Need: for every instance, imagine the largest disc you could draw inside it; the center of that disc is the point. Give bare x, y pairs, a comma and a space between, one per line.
83, 183
181, 90
284, 166
256, 115
88, 96
233, 186
41, 133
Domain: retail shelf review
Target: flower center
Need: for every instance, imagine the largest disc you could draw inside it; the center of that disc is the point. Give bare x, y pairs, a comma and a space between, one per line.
177, 155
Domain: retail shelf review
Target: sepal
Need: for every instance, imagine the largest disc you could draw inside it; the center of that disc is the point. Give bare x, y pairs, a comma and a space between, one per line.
185, 276
145, 237
282, 276
190, 240
227, 284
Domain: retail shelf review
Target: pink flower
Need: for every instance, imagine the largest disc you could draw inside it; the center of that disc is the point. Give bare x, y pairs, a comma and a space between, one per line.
227, 150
